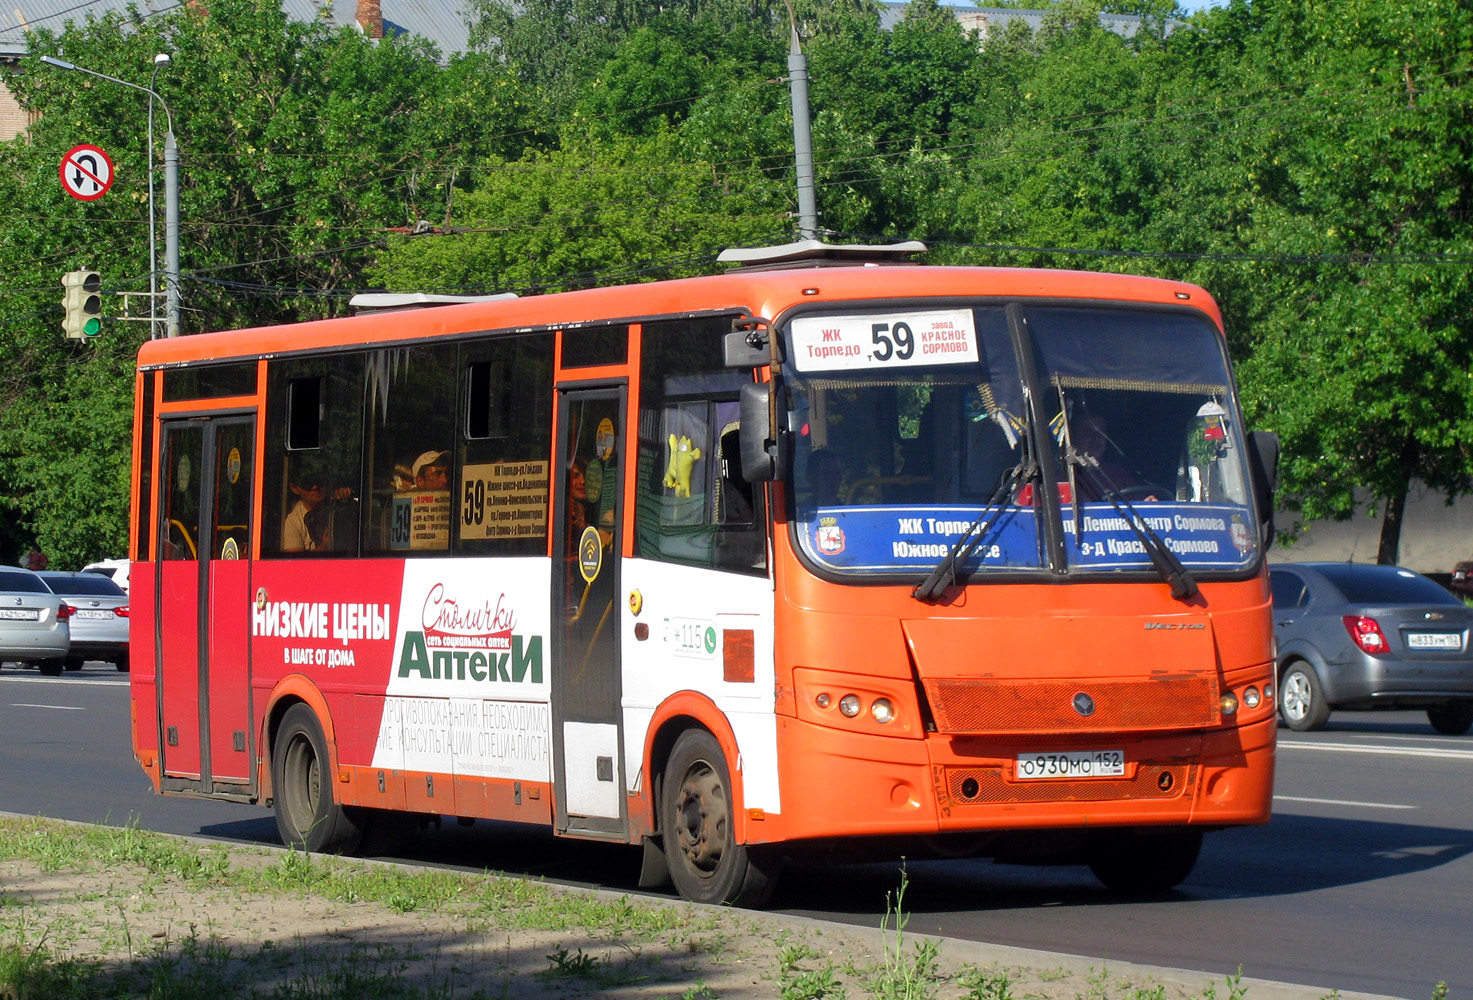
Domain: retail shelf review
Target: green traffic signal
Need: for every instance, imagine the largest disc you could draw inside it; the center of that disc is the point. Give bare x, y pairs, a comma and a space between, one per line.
82, 304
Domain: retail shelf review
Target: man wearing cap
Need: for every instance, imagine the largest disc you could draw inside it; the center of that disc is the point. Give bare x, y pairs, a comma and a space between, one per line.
432, 471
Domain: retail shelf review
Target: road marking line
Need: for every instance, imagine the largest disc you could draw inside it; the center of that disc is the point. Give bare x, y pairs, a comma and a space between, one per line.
1341, 802
1393, 751
59, 708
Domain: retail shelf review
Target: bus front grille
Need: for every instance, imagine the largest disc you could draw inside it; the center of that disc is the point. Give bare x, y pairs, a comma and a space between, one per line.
1179, 701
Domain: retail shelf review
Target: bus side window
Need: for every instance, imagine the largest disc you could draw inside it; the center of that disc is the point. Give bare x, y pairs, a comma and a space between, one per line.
692, 506
408, 451
313, 466
500, 499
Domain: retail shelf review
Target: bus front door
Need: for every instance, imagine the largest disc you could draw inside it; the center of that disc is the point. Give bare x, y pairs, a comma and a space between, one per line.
203, 613
588, 749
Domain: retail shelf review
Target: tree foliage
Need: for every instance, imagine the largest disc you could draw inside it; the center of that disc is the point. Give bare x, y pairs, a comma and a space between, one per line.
1305, 160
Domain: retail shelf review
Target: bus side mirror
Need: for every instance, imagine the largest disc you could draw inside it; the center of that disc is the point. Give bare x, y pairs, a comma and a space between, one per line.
763, 446
1263, 463
745, 349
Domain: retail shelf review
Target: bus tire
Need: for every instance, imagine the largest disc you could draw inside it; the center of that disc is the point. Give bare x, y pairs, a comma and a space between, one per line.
1302, 699
697, 818
1144, 863
306, 815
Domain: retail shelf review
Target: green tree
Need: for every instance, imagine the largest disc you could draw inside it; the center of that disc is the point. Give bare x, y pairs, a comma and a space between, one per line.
299, 146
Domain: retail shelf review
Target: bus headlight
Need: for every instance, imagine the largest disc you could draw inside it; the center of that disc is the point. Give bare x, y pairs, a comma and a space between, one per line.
849, 705
882, 710
1250, 697
1228, 703
824, 700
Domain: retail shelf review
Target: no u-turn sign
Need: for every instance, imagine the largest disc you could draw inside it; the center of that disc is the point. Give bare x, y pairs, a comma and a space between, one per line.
86, 173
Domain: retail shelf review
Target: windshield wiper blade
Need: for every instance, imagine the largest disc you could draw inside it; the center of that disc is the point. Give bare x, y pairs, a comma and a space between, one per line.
944, 575
1177, 576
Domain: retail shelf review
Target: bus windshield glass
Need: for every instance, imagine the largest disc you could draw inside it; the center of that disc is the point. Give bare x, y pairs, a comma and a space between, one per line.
911, 424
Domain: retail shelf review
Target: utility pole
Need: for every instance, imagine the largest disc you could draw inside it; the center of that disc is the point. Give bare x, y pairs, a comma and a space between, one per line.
802, 139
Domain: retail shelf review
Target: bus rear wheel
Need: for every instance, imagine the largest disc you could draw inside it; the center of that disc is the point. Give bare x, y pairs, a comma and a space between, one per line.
306, 815
1141, 863
706, 863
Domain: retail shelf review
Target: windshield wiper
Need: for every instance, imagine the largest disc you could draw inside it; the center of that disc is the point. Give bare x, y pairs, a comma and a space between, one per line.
1183, 585
946, 571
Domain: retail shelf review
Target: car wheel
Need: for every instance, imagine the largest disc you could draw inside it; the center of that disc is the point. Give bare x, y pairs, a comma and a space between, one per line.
74, 663
122, 664
1301, 699
306, 815
1453, 719
51, 668
1133, 862
706, 863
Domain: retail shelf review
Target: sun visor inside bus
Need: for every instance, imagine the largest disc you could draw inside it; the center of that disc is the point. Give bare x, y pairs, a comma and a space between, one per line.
1114, 346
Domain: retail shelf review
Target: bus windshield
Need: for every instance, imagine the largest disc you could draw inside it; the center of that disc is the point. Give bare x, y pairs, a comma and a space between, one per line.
906, 440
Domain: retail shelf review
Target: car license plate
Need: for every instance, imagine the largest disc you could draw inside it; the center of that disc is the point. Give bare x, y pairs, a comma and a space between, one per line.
1434, 640
1071, 764
20, 614
92, 613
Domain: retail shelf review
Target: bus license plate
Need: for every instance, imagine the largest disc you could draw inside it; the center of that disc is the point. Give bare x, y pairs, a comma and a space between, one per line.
1071, 764
1434, 640
20, 614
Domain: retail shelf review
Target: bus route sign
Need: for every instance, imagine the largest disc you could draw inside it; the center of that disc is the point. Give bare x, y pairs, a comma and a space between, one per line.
86, 173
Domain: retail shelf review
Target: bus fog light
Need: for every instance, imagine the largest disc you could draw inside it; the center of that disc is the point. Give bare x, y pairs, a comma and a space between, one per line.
824, 700
1228, 703
849, 705
882, 710
1250, 697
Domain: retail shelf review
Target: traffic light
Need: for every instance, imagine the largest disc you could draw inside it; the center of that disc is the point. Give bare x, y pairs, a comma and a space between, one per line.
83, 304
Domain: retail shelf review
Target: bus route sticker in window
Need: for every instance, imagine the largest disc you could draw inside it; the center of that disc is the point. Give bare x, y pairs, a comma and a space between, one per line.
504, 500
883, 340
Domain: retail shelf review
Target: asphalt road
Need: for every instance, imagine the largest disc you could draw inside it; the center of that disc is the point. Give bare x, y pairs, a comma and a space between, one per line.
1361, 882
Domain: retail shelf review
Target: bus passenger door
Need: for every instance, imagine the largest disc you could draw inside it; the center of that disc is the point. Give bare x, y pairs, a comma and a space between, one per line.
588, 761
203, 611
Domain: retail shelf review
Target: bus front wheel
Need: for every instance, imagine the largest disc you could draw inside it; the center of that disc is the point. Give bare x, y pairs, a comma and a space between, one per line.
706, 863
306, 815
1144, 862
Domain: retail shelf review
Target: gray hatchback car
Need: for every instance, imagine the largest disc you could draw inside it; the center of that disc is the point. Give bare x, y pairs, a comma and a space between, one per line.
1356, 637
99, 620
33, 621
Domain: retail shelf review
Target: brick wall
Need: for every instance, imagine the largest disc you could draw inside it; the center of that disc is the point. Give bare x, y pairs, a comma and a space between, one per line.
13, 119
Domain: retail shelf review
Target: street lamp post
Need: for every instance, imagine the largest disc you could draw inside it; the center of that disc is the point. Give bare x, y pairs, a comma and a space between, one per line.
162, 59
171, 190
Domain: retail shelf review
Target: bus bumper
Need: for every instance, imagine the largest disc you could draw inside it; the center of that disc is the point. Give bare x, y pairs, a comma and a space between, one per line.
842, 784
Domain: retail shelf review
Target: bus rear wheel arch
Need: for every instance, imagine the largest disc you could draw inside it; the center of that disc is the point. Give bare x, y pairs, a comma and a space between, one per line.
307, 815
697, 823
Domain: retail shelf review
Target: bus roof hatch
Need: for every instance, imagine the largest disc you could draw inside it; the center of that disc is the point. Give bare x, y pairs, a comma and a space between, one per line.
375, 301
816, 253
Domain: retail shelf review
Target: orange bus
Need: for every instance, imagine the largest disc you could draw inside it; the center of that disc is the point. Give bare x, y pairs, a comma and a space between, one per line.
818, 553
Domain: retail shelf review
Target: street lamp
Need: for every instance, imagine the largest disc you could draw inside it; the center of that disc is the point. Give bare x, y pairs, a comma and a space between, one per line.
162, 59
171, 186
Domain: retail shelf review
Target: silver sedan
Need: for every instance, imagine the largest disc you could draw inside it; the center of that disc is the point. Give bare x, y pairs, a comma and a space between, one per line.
1364, 637
33, 621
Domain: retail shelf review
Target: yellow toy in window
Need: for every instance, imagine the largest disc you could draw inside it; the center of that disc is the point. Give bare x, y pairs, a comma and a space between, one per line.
682, 458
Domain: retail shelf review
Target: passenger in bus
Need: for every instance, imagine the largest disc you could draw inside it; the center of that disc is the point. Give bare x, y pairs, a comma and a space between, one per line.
306, 527
432, 471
